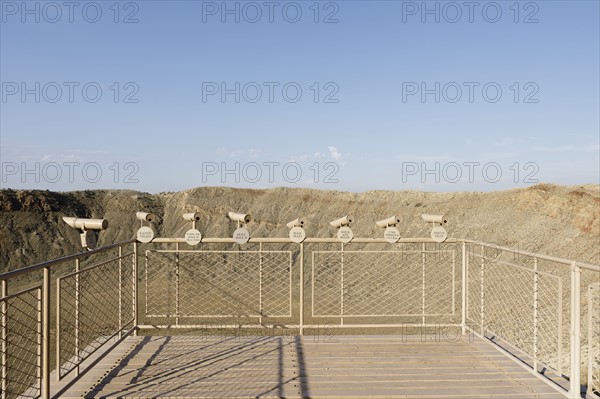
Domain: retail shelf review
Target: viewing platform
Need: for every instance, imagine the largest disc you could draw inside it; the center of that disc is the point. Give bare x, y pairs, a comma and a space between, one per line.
300, 317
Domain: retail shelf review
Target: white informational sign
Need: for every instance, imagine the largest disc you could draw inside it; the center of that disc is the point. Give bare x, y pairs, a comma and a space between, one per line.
241, 236
297, 235
345, 234
392, 235
145, 234
439, 234
193, 237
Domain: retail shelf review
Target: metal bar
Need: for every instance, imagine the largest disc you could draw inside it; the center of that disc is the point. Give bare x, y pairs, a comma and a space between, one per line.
423, 260
260, 283
4, 293
39, 336
560, 326
77, 307
464, 289
287, 240
482, 296
575, 372
58, 330
590, 362
146, 283
120, 290
177, 284
342, 286
97, 265
503, 262
312, 285
50, 263
279, 326
582, 265
301, 289
135, 288
45, 388
453, 282
535, 314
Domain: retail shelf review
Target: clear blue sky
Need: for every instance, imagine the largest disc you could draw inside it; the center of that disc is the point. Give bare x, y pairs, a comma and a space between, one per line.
370, 127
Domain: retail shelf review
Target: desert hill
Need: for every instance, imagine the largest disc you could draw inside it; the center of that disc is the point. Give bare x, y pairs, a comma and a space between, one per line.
556, 220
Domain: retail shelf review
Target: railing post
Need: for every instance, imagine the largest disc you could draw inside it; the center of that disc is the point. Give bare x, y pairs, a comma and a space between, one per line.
120, 292
301, 289
482, 295
464, 289
535, 313
135, 288
77, 306
176, 284
4, 337
575, 372
342, 288
423, 260
260, 283
45, 389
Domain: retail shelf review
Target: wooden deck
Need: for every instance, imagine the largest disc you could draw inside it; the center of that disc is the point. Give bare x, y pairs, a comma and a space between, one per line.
294, 367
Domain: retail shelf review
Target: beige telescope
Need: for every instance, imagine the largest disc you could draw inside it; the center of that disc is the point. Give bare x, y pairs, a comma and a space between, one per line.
239, 217
391, 221
86, 224
296, 223
192, 216
145, 216
345, 221
433, 218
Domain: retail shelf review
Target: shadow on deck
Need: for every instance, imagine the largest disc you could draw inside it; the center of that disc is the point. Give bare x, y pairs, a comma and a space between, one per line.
294, 367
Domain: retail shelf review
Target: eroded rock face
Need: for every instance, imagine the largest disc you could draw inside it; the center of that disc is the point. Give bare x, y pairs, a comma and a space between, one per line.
557, 220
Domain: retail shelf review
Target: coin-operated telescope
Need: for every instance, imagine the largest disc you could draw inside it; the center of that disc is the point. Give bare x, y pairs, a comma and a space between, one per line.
438, 232
391, 234
193, 235
145, 234
240, 235
344, 234
89, 229
297, 233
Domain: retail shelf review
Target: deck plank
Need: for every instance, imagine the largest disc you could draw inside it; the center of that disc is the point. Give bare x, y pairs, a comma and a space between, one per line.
293, 367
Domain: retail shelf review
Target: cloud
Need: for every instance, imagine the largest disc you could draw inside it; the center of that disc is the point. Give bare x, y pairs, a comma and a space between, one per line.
569, 148
235, 153
335, 154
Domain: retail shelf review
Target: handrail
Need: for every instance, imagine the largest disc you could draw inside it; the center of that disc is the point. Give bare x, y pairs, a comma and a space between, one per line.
313, 240
583, 265
50, 263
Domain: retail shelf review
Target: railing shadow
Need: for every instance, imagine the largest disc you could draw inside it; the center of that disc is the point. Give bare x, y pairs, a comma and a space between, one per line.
220, 368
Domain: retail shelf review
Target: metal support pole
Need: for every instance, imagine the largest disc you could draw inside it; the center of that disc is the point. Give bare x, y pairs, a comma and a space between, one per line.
260, 283
575, 375
590, 360
342, 288
120, 292
423, 260
535, 313
177, 283
77, 306
135, 288
39, 338
45, 389
301, 289
464, 289
4, 337
482, 296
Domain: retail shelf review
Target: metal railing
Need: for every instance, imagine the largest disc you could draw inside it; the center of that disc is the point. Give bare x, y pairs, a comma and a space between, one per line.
541, 309
90, 308
533, 304
593, 380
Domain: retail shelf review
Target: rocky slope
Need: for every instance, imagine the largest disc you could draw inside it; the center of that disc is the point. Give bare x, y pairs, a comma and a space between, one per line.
557, 220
